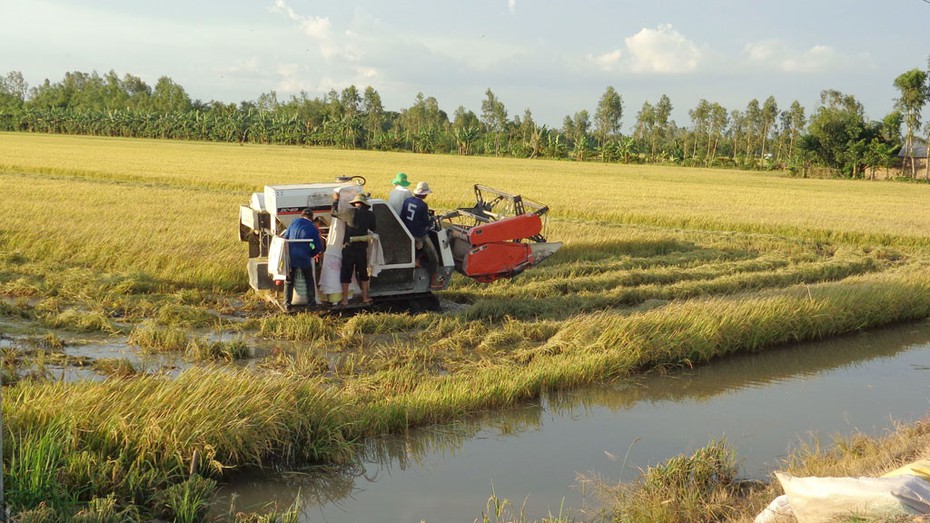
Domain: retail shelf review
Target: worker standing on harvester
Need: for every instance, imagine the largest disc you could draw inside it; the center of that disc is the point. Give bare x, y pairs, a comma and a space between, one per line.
416, 217
359, 222
400, 193
301, 253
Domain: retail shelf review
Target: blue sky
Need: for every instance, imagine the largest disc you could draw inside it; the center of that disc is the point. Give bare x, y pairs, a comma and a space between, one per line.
553, 57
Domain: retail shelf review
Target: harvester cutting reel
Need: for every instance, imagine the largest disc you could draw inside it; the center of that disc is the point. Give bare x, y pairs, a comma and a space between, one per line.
499, 237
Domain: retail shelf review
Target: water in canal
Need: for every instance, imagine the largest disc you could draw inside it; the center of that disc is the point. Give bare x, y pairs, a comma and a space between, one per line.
763, 403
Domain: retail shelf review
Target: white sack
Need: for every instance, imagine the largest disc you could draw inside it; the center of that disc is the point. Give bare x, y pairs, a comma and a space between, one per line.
277, 258
822, 500
778, 511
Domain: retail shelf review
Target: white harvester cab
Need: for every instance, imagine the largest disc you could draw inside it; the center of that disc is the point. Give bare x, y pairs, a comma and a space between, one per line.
396, 273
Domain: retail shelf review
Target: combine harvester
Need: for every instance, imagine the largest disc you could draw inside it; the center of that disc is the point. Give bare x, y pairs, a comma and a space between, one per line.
499, 237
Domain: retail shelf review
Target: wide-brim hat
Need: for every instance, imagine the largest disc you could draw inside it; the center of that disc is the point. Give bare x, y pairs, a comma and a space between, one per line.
360, 198
422, 189
400, 179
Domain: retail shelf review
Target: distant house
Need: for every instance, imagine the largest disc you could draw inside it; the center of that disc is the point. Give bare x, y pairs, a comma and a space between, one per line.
918, 152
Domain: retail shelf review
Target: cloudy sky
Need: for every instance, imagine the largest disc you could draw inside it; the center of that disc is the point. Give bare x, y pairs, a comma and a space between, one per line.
552, 57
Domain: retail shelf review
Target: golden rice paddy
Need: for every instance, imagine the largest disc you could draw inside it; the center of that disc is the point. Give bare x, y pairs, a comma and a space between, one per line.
661, 267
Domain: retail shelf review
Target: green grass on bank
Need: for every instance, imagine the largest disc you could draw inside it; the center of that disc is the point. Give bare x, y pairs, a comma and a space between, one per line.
703, 486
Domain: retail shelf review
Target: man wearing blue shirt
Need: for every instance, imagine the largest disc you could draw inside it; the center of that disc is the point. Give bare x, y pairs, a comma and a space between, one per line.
415, 214
301, 253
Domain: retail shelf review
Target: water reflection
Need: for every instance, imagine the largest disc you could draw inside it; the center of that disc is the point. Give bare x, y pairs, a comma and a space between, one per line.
739, 372
762, 402
379, 459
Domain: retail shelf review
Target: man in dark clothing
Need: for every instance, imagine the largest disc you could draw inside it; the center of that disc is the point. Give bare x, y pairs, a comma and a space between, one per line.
359, 222
416, 217
303, 244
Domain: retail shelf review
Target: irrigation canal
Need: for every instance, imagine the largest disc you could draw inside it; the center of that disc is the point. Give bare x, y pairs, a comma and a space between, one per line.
539, 456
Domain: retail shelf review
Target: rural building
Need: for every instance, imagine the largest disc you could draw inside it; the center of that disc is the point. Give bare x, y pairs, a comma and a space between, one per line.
918, 152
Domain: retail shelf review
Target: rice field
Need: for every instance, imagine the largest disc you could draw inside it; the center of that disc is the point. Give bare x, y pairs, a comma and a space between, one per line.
136, 241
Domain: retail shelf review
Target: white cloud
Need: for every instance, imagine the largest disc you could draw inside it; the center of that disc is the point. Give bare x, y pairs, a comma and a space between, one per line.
368, 73
609, 61
763, 52
317, 28
480, 53
512, 5
817, 59
249, 65
327, 84
662, 50
290, 81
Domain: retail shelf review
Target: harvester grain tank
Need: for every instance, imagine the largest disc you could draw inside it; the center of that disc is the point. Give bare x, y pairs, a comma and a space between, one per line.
500, 236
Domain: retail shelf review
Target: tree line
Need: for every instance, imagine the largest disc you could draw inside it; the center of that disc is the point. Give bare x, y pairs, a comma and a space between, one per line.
837, 137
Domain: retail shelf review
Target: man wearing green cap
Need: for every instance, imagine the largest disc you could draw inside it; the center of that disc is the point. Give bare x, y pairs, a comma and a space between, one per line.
399, 193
